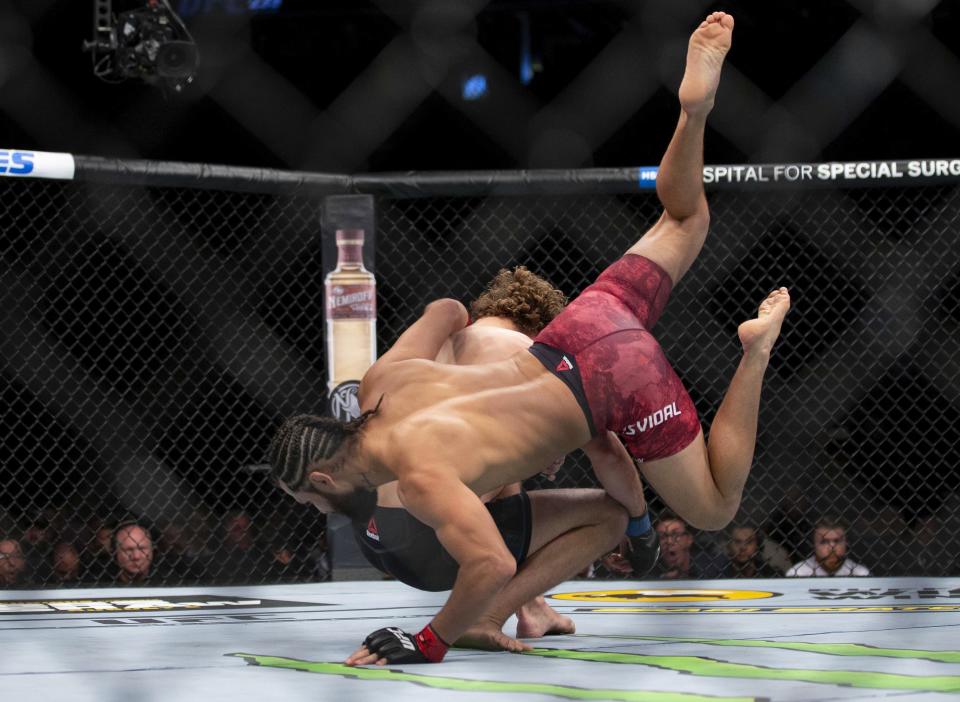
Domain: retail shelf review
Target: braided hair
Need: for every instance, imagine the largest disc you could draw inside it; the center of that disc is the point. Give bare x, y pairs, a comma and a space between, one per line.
306, 438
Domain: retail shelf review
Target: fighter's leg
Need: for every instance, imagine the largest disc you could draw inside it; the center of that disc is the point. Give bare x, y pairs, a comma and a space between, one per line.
535, 618
571, 529
704, 482
676, 239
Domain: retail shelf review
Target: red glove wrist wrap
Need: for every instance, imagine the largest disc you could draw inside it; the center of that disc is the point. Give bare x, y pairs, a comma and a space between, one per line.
431, 645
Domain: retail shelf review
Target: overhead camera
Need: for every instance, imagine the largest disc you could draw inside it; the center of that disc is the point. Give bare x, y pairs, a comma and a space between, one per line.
149, 43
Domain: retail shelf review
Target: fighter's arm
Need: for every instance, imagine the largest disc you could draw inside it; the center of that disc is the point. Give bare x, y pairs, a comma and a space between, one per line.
616, 472
618, 475
425, 337
467, 531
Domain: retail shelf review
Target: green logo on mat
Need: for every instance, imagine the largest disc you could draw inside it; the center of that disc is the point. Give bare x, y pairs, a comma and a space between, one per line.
711, 668
465, 685
701, 667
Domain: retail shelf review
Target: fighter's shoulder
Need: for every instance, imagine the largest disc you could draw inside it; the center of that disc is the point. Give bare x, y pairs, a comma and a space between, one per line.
426, 424
480, 344
386, 369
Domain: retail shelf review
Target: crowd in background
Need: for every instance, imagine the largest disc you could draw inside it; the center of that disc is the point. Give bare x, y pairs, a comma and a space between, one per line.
784, 548
51, 550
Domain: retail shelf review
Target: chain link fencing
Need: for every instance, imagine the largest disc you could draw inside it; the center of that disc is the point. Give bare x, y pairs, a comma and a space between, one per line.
154, 336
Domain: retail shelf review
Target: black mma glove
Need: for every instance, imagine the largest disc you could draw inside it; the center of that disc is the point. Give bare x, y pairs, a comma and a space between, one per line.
400, 647
644, 545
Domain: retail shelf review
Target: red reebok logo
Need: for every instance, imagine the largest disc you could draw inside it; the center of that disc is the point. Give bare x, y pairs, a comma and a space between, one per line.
372, 531
564, 365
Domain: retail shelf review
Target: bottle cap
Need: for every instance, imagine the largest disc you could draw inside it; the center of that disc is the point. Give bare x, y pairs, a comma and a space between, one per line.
349, 236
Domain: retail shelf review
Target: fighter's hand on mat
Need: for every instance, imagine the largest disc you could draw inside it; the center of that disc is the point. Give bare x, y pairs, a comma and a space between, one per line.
392, 645
362, 656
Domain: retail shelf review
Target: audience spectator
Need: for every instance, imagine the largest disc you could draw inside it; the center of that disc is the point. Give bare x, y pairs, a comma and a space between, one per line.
37, 546
98, 555
613, 566
829, 554
66, 564
239, 559
103, 539
774, 555
201, 541
13, 565
39, 534
175, 559
677, 558
133, 554
745, 555
927, 554
788, 525
286, 562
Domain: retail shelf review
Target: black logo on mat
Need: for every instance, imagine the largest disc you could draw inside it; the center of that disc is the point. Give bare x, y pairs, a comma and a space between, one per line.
169, 603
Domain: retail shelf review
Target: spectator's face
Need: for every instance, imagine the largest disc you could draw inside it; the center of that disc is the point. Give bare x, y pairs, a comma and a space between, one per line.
173, 539
66, 562
830, 548
104, 536
675, 542
12, 562
238, 529
134, 551
743, 544
37, 533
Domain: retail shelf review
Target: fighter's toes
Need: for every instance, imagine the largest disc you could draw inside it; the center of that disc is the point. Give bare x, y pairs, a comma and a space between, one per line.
708, 46
721, 18
759, 334
777, 301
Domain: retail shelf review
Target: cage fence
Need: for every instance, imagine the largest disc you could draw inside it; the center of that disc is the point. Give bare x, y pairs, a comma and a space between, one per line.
154, 335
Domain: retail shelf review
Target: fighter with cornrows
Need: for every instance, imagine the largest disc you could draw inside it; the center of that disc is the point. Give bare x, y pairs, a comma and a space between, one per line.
449, 433
513, 309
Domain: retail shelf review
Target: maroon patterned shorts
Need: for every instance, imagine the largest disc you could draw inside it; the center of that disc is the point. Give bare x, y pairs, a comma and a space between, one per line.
628, 384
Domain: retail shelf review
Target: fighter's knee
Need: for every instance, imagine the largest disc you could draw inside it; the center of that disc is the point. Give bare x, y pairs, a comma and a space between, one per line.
717, 518
695, 221
502, 569
701, 215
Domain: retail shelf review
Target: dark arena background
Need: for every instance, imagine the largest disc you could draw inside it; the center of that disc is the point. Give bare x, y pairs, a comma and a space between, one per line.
166, 226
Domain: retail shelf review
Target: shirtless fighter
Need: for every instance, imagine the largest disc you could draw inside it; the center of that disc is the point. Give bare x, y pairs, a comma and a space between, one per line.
450, 433
514, 308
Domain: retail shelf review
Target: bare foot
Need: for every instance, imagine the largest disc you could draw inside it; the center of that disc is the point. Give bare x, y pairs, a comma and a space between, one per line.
758, 335
537, 618
708, 46
487, 636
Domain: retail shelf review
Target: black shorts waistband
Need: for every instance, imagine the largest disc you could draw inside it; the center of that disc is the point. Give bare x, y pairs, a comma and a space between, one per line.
564, 366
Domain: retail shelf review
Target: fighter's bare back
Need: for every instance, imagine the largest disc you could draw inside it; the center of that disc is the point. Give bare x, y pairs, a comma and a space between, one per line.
441, 416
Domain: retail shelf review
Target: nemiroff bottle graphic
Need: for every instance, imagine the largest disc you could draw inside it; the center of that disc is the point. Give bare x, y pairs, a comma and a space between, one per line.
351, 293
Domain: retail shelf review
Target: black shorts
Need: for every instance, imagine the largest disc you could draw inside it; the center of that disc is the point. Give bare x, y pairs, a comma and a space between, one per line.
400, 545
